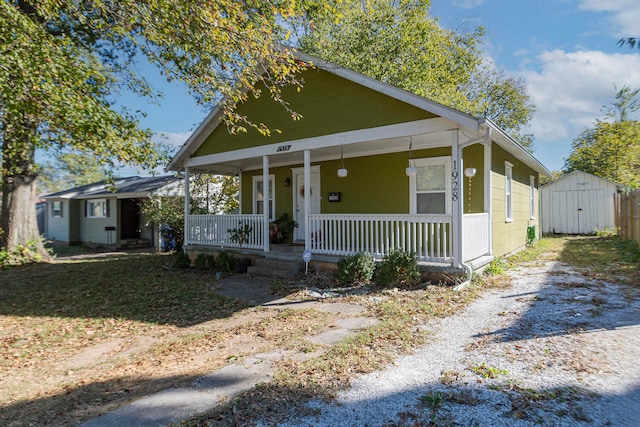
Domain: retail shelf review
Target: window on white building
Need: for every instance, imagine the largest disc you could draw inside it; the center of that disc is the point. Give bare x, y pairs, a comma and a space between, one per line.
97, 208
56, 209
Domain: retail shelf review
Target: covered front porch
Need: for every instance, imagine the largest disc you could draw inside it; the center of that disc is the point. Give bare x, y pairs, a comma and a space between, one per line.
428, 237
446, 223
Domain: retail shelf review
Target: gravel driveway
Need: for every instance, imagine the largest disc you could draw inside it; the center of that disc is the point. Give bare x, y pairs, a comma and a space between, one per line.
556, 348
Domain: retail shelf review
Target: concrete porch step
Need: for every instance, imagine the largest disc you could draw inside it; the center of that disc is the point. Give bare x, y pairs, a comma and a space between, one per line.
275, 267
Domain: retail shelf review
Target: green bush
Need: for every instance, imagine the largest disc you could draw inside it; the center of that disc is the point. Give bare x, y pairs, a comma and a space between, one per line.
200, 262
496, 266
22, 254
398, 268
224, 262
182, 260
357, 268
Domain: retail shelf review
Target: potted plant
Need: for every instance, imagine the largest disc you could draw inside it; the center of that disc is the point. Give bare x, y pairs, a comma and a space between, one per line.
240, 235
284, 226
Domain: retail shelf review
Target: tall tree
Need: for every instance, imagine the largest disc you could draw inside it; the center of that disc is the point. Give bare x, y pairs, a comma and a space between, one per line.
398, 42
64, 61
611, 149
68, 170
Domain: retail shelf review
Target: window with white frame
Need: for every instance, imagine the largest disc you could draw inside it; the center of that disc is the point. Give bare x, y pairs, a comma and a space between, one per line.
508, 175
259, 196
532, 196
431, 187
56, 209
97, 208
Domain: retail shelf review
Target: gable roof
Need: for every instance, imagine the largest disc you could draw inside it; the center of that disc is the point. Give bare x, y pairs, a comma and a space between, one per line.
564, 176
213, 120
130, 187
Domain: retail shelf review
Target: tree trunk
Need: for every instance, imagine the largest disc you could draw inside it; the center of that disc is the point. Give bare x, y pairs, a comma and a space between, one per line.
18, 221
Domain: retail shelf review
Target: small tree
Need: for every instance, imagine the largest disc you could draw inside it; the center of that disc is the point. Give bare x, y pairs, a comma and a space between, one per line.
209, 194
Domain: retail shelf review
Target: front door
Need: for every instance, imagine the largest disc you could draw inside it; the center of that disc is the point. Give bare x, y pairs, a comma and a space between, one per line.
129, 219
298, 197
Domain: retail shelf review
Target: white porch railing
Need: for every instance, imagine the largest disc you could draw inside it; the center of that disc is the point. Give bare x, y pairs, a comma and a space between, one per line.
475, 236
213, 230
428, 236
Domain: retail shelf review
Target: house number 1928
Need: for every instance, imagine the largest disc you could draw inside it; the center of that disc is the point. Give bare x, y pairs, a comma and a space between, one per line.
454, 182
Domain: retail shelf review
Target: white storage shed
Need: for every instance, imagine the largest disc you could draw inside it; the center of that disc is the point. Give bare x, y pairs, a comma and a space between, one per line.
578, 203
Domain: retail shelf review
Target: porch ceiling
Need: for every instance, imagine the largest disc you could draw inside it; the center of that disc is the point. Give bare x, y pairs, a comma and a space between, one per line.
294, 156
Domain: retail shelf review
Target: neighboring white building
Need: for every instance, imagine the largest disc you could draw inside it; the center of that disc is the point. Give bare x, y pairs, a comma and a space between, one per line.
578, 203
93, 214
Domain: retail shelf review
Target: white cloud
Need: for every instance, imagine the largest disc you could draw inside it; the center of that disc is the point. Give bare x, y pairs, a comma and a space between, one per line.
468, 4
624, 15
571, 88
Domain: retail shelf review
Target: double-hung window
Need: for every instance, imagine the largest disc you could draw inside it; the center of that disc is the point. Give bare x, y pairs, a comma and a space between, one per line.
259, 196
431, 186
56, 209
508, 185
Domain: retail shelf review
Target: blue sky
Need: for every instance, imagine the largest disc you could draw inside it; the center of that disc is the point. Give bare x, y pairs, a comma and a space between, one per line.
566, 51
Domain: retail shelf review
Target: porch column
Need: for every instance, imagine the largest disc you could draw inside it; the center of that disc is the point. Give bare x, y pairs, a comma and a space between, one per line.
187, 205
457, 205
265, 203
307, 198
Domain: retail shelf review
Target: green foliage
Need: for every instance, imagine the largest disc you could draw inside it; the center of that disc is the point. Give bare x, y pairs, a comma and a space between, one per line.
611, 150
204, 261
64, 62
285, 225
182, 260
20, 255
401, 44
358, 268
531, 234
224, 262
397, 268
240, 234
209, 194
497, 266
70, 169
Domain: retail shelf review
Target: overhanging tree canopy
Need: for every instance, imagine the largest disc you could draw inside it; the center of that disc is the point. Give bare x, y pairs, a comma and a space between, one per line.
63, 63
400, 43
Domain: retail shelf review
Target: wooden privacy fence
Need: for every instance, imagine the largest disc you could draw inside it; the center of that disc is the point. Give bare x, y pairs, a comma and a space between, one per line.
627, 208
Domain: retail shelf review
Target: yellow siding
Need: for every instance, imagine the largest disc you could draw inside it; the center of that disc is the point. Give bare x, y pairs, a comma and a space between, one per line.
511, 236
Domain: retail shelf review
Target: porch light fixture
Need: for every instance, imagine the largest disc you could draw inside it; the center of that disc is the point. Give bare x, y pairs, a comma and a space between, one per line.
411, 170
469, 172
342, 171
287, 182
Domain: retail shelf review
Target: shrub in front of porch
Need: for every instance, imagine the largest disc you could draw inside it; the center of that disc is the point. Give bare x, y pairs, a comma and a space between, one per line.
398, 268
358, 268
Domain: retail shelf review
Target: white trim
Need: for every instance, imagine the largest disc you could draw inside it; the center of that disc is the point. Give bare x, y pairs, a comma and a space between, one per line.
532, 197
508, 191
417, 127
255, 180
56, 213
413, 185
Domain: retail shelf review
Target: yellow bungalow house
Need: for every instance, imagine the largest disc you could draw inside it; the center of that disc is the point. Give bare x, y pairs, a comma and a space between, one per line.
369, 167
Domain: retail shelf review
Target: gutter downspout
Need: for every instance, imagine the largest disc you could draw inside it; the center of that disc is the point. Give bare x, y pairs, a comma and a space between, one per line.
467, 267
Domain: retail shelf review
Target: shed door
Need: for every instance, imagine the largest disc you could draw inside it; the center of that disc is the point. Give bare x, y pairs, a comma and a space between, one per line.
577, 211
